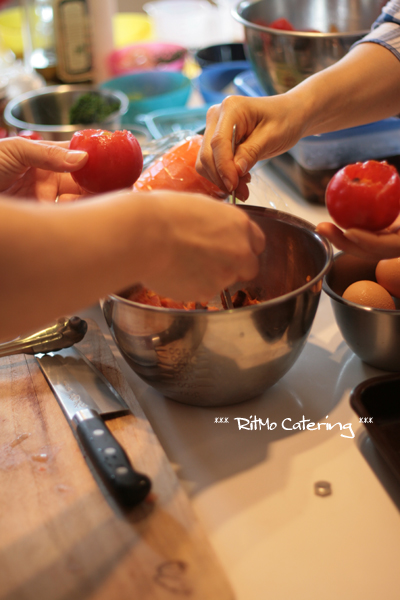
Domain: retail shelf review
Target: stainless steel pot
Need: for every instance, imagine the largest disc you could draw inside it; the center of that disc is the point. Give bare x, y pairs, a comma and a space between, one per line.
282, 59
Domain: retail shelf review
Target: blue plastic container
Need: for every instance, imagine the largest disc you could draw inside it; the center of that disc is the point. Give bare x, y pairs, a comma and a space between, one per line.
216, 82
247, 84
151, 90
166, 121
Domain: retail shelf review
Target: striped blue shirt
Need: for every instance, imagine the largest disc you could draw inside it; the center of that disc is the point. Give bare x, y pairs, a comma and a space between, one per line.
386, 29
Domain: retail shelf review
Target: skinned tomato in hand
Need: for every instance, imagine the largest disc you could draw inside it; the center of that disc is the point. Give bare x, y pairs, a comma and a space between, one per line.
364, 196
115, 160
176, 170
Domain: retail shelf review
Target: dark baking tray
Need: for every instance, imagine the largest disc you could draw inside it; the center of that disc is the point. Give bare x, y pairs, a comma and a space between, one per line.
377, 402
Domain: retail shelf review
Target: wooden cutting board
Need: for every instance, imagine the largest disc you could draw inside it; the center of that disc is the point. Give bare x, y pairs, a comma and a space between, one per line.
61, 535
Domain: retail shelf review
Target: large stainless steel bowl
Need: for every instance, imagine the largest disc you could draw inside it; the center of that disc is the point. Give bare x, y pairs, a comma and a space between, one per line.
282, 59
371, 333
47, 110
216, 358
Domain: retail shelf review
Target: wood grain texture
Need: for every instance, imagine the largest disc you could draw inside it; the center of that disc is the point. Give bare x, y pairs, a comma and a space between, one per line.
61, 535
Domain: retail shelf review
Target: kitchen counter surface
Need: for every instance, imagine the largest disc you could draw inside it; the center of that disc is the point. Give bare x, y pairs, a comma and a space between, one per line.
253, 490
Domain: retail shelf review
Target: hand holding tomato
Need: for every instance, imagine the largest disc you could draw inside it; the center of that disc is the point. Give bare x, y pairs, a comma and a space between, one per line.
364, 196
364, 199
115, 160
38, 170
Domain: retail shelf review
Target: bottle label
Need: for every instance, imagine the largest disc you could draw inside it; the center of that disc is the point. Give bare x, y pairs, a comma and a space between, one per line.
74, 54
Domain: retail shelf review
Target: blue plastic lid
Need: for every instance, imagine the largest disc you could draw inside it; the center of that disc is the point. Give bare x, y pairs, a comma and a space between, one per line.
375, 141
384, 126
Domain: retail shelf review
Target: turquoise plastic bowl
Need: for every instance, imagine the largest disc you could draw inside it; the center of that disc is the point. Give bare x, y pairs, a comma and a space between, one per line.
151, 90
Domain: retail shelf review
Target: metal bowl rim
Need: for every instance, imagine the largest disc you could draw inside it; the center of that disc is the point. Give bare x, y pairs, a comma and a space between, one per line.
282, 216
295, 34
14, 122
367, 309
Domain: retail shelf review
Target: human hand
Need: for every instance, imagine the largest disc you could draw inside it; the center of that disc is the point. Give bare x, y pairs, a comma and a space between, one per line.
264, 129
39, 170
364, 244
195, 246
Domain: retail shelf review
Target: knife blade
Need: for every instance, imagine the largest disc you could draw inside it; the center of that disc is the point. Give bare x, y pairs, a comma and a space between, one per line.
87, 398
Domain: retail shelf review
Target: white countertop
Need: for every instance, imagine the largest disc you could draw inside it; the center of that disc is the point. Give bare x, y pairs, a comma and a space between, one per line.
253, 491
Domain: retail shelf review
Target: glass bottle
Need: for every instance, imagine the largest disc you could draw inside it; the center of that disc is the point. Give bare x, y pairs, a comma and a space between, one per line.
39, 42
74, 46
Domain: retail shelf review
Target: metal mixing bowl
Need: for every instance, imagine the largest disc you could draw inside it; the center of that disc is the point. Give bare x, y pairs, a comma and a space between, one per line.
373, 334
282, 59
218, 358
47, 110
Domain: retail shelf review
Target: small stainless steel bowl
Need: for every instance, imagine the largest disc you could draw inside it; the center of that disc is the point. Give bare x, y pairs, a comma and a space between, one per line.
47, 110
282, 59
218, 358
371, 333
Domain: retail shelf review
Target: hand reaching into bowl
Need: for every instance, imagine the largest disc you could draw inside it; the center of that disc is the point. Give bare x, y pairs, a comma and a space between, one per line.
56, 259
195, 246
39, 170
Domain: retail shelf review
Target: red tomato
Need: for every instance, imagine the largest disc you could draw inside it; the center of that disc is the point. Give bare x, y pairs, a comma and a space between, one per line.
176, 171
364, 195
3, 133
30, 135
115, 160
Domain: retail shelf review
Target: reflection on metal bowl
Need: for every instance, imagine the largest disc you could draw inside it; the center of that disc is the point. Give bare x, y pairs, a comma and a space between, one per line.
324, 33
217, 358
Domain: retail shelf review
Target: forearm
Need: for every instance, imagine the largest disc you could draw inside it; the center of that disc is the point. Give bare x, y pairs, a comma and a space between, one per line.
57, 259
361, 88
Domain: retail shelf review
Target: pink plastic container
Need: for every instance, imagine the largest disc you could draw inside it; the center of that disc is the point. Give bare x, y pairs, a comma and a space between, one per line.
147, 56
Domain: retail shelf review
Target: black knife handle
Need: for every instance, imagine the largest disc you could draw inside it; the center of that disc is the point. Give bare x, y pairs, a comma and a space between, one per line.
126, 485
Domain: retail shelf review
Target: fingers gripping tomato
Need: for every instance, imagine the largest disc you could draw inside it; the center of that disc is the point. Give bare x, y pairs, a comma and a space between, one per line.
115, 160
176, 171
364, 196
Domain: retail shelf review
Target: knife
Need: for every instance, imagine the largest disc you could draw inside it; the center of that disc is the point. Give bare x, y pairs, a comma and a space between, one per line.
87, 398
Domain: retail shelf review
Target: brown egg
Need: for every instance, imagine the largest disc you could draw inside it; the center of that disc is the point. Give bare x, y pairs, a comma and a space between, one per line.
387, 274
369, 293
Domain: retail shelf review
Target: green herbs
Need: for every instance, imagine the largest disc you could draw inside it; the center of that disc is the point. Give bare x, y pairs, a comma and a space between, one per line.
92, 108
